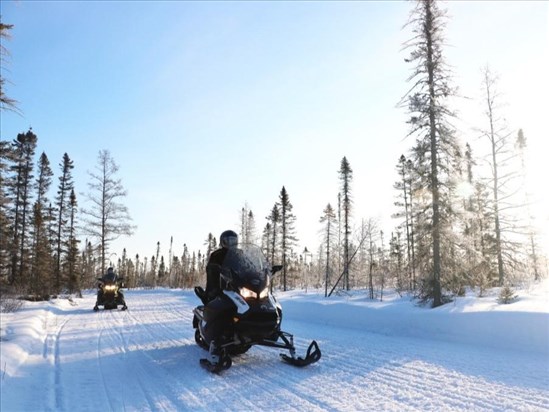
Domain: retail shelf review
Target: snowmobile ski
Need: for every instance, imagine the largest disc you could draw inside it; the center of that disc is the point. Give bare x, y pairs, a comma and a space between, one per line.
313, 355
223, 364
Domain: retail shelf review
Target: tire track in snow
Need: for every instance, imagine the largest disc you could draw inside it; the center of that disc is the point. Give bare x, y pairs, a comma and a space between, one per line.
166, 326
100, 359
51, 353
129, 365
143, 387
136, 336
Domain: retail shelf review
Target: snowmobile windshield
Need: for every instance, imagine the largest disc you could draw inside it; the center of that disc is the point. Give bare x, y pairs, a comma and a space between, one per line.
109, 277
246, 266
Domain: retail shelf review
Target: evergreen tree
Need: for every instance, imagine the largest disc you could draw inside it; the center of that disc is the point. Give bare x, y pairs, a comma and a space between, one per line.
72, 248
396, 259
266, 240
162, 272
62, 202
7, 157
20, 187
436, 148
251, 235
274, 219
42, 253
211, 244
346, 176
247, 225
43, 183
405, 193
287, 232
328, 218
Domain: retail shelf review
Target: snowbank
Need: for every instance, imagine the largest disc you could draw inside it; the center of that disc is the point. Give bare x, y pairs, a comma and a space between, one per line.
522, 325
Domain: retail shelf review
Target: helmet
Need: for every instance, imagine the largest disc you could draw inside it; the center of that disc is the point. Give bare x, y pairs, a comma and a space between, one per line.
228, 239
110, 276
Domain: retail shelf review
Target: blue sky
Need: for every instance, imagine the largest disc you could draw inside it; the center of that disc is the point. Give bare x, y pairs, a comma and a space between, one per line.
208, 106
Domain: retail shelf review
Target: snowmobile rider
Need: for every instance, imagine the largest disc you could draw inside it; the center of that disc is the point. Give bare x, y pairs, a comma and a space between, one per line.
110, 276
227, 240
216, 303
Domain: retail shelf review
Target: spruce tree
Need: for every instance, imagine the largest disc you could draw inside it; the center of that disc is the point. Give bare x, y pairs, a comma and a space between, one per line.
20, 192
436, 151
287, 232
42, 264
7, 157
346, 177
72, 248
210, 243
405, 203
328, 218
247, 225
273, 241
266, 240
62, 203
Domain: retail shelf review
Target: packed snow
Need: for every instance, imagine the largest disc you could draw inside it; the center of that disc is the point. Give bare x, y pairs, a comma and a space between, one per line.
470, 355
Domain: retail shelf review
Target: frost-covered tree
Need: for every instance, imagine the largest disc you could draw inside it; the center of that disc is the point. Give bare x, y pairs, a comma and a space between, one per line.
521, 146
503, 181
406, 212
247, 225
328, 219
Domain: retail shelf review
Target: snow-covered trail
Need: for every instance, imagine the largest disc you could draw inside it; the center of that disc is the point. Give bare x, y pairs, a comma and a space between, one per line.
145, 359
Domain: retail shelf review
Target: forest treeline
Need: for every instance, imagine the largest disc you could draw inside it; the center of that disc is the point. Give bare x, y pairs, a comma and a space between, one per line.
463, 214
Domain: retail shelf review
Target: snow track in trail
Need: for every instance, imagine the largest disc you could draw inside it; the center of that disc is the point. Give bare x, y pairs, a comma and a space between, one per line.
146, 359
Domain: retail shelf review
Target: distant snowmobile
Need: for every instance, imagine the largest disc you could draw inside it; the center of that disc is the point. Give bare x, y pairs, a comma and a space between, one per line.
110, 294
249, 313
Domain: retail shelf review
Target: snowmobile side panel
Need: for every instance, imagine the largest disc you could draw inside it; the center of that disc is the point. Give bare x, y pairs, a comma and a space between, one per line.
241, 305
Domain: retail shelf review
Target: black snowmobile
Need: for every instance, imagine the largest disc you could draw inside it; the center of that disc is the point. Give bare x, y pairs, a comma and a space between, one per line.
110, 294
246, 311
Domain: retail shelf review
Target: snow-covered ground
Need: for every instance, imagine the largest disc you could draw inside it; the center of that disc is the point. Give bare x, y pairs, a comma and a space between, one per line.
471, 355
